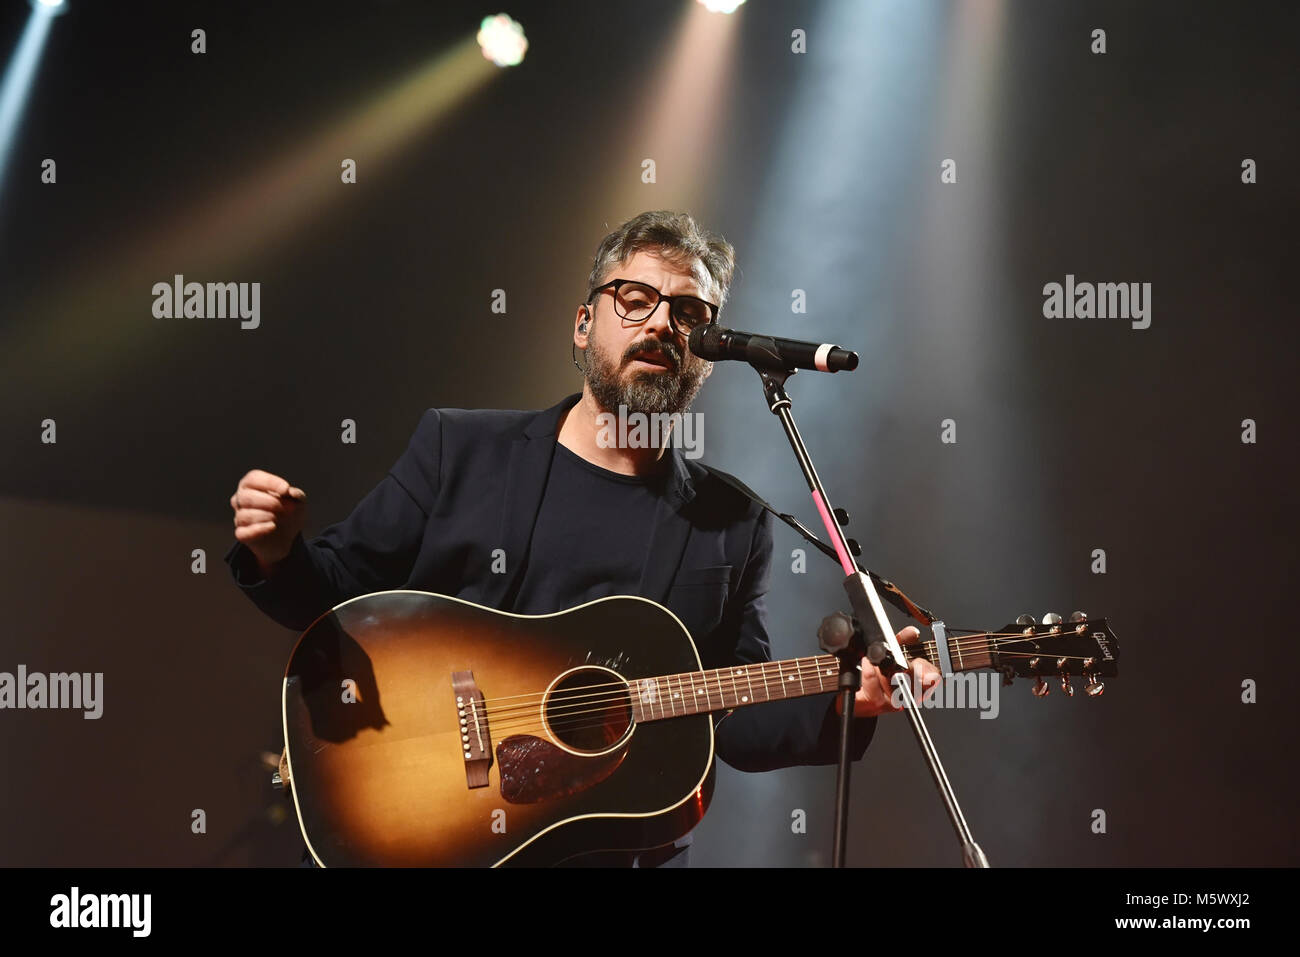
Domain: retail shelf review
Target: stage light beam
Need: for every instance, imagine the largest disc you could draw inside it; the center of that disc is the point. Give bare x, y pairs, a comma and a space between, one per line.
17, 82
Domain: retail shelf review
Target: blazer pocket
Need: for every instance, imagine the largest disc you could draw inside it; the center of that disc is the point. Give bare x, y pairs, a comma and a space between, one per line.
709, 575
698, 597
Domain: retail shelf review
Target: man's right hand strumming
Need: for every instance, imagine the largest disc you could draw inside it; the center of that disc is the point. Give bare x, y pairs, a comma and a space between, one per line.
269, 514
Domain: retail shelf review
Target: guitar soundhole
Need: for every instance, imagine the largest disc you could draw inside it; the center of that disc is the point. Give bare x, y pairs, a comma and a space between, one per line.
589, 709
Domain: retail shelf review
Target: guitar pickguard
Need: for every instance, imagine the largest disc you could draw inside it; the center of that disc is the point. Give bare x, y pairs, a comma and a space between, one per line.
533, 769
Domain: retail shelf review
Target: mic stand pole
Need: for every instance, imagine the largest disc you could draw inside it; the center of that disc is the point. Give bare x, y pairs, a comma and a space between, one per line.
845, 639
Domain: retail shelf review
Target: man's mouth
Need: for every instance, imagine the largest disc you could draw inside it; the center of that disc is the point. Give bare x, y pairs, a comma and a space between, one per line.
654, 359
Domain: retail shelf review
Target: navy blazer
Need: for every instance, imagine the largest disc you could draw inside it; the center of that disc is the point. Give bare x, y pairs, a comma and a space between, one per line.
471, 481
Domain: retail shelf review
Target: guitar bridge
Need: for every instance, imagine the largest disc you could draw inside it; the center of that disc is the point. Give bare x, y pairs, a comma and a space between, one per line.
475, 740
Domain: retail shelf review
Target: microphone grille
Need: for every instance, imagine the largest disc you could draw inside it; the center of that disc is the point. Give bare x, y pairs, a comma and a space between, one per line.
705, 341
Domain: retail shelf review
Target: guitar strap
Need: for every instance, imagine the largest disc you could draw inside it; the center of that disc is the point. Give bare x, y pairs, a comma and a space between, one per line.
888, 590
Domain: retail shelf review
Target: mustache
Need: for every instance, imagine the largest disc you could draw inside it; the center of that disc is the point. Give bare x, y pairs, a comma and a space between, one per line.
665, 353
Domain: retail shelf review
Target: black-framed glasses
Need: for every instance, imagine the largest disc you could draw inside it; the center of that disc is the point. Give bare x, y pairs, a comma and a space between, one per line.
636, 301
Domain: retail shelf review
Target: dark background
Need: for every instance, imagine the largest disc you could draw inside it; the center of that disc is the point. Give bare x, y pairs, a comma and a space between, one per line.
823, 170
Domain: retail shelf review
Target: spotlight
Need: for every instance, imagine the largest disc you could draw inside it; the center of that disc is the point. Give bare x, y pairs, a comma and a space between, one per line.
721, 6
502, 40
49, 7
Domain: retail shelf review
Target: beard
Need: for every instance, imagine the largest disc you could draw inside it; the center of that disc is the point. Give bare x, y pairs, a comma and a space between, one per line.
669, 391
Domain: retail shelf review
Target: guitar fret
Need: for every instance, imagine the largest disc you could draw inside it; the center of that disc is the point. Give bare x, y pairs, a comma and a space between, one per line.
690, 692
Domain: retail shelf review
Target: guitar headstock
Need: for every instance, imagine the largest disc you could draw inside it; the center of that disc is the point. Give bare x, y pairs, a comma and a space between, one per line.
1058, 650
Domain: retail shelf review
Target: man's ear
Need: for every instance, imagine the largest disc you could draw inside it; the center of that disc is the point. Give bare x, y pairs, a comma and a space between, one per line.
708, 371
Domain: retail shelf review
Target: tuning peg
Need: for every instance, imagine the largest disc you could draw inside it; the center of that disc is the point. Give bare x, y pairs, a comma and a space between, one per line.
1040, 688
1094, 687
1027, 623
1078, 616
1052, 621
1080, 622
841, 516
1008, 675
1065, 677
854, 547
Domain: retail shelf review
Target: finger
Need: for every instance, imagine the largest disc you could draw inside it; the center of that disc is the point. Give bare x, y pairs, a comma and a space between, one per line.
882, 691
256, 498
264, 482
909, 635
254, 516
924, 679
248, 533
870, 693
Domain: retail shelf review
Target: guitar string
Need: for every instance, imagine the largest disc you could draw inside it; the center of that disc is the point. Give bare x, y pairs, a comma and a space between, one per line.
567, 702
564, 716
813, 663
961, 645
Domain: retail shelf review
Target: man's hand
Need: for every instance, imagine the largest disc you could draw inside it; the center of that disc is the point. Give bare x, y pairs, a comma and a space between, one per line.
269, 513
876, 695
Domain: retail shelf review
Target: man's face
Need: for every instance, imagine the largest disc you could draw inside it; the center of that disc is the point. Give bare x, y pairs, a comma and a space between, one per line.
645, 366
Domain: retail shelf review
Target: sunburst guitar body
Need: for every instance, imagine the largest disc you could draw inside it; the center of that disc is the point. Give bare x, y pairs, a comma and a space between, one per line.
423, 730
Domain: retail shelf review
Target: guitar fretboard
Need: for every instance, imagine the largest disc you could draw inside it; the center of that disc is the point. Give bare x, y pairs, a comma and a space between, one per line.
698, 692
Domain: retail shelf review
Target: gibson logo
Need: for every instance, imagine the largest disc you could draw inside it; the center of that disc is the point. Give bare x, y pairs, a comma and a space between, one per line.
1100, 638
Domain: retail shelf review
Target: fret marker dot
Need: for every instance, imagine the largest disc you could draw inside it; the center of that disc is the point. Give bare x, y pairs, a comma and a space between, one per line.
744, 697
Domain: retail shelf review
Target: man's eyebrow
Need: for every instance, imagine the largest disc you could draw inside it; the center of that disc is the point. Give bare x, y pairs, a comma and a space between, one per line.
696, 291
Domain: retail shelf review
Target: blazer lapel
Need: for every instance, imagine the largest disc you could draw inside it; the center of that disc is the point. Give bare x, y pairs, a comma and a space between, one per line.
526, 472
671, 529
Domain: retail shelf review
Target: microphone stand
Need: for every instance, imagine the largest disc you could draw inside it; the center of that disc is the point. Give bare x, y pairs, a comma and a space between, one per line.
868, 634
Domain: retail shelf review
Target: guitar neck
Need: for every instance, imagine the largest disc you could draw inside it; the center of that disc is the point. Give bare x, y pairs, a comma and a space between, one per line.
699, 692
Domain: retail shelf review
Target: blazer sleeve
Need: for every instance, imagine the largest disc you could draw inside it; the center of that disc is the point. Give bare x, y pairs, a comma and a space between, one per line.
786, 733
373, 549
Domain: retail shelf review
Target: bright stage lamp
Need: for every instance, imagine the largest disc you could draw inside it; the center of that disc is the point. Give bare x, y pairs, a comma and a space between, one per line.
721, 6
502, 40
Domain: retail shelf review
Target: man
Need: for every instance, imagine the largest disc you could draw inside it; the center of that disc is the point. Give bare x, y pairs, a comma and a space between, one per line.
536, 512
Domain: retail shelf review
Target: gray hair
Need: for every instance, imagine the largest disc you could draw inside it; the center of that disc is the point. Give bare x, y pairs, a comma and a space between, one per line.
676, 237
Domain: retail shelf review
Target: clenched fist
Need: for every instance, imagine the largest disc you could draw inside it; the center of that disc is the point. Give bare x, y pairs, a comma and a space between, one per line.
269, 513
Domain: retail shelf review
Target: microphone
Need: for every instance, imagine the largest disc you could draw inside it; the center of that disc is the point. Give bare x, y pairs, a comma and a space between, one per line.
765, 352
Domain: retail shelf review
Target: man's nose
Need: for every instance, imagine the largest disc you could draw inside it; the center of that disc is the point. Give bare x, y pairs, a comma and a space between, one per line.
659, 320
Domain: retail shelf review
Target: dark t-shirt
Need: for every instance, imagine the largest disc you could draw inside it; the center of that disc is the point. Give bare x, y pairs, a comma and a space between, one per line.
591, 537
590, 541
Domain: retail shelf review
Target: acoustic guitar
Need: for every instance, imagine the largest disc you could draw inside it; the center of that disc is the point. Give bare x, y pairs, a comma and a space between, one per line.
423, 730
